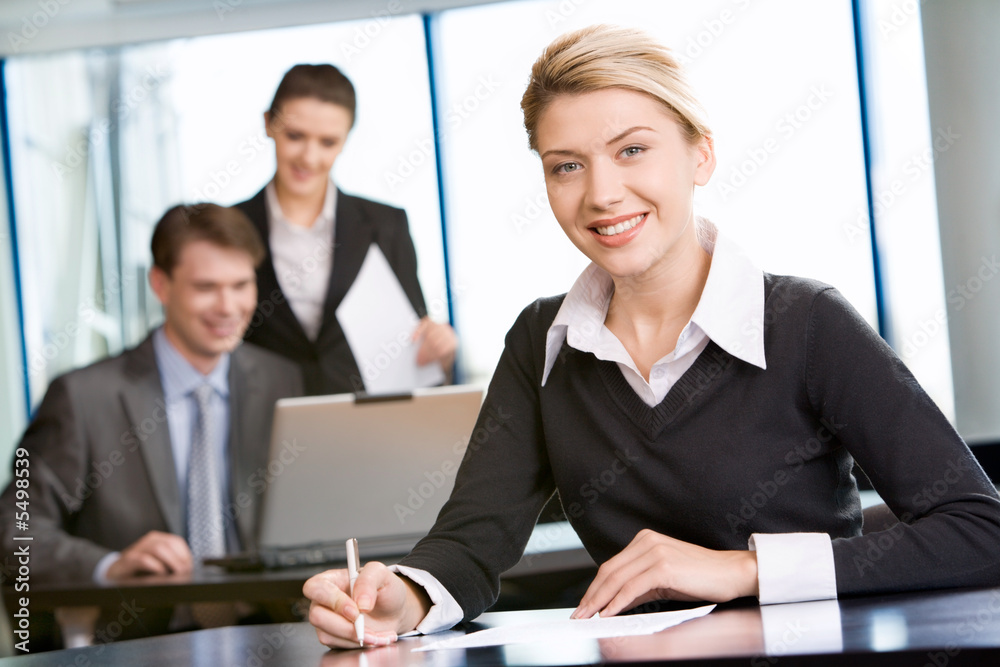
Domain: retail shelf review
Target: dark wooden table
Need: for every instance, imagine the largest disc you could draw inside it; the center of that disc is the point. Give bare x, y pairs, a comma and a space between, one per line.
937, 628
556, 550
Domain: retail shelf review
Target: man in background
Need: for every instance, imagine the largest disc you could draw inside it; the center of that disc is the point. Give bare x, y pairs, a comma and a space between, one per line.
144, 463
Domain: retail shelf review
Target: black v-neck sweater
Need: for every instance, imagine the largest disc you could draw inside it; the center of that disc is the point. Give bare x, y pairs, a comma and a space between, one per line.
731, 450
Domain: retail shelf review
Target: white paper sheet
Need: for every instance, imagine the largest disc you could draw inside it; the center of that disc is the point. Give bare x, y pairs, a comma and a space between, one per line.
591, 628
378, 321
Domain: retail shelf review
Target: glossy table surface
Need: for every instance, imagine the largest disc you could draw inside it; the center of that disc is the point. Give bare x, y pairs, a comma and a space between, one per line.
938, 628
555, 548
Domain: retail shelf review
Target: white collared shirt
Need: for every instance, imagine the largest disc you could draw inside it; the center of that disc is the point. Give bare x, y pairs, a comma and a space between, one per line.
303, 258
730, 312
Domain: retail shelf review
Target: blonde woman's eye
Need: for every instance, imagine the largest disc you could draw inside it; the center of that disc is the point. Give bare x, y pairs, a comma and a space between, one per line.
629, 151
567, 167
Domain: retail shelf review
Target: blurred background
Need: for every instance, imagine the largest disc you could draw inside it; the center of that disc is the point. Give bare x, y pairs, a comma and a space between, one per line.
850, 138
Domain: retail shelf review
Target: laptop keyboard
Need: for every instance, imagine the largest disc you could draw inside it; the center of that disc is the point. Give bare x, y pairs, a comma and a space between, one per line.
276, 558
321, 553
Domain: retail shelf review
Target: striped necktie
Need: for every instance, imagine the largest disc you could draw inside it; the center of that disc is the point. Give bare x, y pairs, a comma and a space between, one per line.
206, 531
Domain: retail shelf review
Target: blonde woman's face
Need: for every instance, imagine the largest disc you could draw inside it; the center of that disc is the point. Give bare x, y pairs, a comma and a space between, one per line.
620, 177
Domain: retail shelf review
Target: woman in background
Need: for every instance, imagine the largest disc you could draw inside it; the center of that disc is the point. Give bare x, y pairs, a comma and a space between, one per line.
699, 418
317, 238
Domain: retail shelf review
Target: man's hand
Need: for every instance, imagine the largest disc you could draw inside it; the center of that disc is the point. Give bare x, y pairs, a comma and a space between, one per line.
438, 342
657, 567
153, 553
392, 605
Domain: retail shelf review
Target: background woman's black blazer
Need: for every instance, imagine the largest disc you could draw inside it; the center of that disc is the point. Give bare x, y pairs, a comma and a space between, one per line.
328, 366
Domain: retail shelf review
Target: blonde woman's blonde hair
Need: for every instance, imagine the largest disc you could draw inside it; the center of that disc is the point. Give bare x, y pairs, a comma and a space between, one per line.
603, 56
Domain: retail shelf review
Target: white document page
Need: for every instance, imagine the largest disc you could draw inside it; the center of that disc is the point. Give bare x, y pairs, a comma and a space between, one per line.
590, 628
378, 321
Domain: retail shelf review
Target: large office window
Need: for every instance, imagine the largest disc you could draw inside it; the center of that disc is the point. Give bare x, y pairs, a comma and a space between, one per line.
12, 399
60, 133
905, 148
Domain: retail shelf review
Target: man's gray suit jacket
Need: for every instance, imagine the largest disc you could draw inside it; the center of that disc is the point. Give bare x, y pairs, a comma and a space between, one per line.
102, 470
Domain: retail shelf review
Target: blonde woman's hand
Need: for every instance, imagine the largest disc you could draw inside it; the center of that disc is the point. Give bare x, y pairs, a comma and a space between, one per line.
658, 567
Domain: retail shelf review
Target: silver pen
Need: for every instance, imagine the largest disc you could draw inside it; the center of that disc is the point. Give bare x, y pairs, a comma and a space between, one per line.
353, 567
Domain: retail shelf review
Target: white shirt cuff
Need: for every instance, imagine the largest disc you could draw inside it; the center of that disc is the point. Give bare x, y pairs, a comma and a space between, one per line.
100, 575
807, 627
794, 567
444, 613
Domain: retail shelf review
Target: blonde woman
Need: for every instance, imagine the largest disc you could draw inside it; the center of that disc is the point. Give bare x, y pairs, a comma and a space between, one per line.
699, 417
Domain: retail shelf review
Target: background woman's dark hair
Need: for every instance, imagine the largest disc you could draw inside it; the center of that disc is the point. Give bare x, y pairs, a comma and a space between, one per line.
223, 226
322, 82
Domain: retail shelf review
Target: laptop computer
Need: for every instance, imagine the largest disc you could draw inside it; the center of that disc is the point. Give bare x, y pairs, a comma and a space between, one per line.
376, 468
